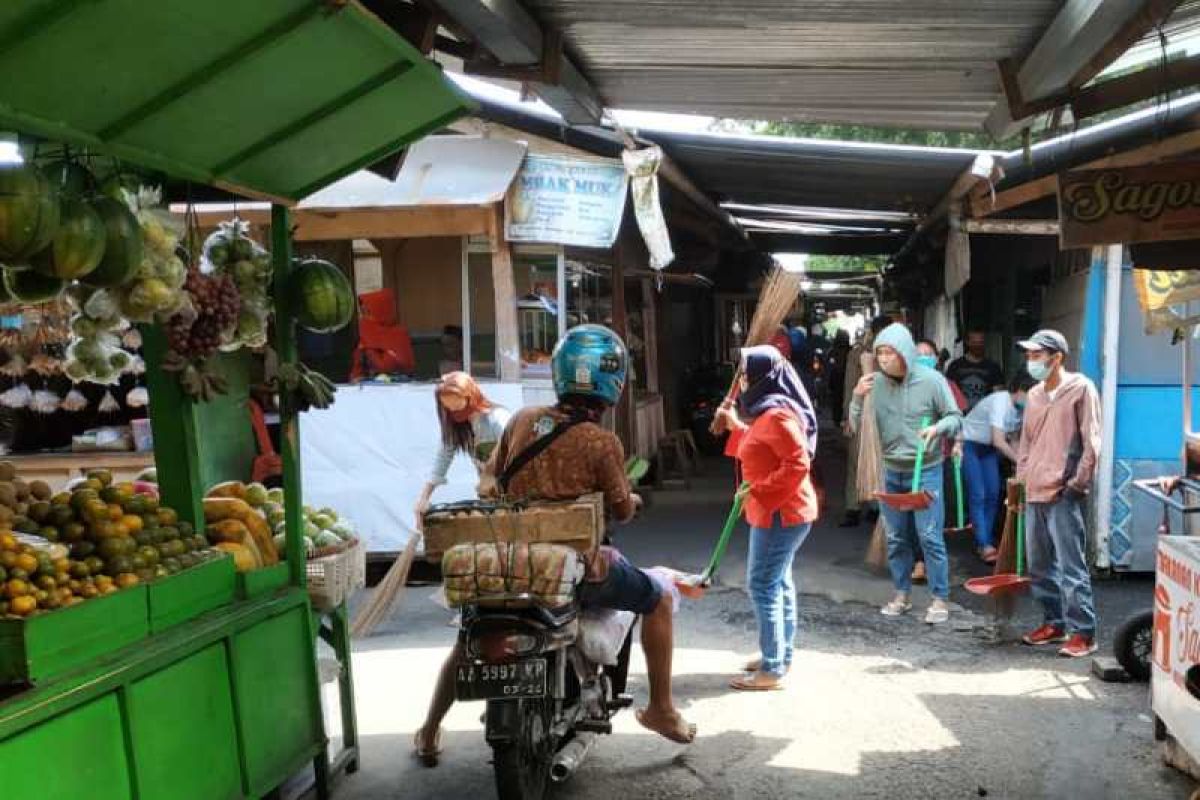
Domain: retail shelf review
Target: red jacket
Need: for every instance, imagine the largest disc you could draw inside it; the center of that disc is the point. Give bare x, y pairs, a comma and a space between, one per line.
776, 463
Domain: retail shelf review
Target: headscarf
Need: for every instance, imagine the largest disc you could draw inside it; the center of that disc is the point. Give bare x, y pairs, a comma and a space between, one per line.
772, 382
456, 425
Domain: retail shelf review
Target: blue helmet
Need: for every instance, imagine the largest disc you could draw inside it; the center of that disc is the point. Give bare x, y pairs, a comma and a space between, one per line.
590, 361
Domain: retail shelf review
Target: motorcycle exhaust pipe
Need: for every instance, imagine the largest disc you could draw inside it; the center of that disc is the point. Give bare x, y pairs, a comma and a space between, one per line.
568, 759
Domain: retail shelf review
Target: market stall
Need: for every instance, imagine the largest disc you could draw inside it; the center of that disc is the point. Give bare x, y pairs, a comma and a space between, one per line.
157, 640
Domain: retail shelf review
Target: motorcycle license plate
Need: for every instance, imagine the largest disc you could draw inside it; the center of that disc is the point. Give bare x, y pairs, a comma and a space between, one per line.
501, 681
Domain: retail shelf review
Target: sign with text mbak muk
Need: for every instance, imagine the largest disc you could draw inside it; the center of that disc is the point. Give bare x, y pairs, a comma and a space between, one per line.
560, 200
1131, 204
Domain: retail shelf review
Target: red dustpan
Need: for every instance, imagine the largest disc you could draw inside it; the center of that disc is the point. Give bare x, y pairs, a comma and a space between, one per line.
1005, 581
918, 499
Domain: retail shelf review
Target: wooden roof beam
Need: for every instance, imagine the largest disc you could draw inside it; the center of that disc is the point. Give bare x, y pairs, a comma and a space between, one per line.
1085, 37
523, 51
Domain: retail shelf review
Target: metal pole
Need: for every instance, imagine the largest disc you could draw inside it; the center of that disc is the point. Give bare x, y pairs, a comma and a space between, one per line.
1108, 400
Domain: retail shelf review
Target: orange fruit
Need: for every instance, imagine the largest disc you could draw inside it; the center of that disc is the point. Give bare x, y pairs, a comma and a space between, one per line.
16, 588
8, 542
62, 564
27, 562
23, 606
115, 512
133, 523
127, 579
8, 558
90, 591
167, 516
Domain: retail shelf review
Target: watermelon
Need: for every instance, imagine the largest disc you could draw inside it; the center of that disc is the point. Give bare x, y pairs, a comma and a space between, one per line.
71, 178
29, 211
28, 286
123, 247
321, 296
78, 243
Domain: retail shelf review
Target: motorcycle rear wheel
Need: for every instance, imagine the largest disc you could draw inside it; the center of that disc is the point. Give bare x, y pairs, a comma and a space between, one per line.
522, 767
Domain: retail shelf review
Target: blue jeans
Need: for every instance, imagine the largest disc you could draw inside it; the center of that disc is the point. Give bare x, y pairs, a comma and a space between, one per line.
902, 536
773, 591
981, 468
1056, 549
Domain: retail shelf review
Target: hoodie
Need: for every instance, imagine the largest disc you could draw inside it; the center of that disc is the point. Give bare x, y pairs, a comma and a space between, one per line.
899, 405
1060, 439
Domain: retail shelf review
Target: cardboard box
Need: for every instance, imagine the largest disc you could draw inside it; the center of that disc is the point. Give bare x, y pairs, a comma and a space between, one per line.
1177, 639
576, 523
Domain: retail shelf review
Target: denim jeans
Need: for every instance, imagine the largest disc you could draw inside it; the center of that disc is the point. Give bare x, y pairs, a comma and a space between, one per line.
904, 528
981, 469
772, 590
1056, 549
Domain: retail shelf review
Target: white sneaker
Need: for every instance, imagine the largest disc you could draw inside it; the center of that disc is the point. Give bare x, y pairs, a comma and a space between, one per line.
899, 606
937, 613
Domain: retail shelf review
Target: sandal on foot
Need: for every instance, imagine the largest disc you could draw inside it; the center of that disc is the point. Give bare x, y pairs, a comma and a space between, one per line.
428, 756
896, 608
758, 682
682, 732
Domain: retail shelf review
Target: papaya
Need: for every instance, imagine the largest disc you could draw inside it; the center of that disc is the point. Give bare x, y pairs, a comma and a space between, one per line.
219, 508
261, 533
228, 489
244, 559
227, 530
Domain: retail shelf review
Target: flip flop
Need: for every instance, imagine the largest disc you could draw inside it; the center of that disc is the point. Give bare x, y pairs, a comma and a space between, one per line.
753, 684
683, 733
428, 756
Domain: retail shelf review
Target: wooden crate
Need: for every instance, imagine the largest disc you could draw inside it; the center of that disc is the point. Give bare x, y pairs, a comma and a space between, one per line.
577, 523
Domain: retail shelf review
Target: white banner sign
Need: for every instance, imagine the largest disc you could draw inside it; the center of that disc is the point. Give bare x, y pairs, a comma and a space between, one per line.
561, 200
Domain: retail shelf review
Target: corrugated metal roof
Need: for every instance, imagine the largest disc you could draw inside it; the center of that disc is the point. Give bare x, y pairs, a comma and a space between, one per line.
904, 63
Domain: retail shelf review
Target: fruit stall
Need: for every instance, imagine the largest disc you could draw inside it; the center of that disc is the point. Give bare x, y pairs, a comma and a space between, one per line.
158, 636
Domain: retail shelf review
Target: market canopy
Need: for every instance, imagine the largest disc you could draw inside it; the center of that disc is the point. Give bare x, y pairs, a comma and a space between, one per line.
273, 99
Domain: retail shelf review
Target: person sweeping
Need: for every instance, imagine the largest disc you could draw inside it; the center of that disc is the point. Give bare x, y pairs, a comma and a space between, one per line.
914, 411
773, 434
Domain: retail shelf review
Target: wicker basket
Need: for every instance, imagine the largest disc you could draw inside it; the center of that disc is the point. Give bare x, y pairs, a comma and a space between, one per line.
332, 578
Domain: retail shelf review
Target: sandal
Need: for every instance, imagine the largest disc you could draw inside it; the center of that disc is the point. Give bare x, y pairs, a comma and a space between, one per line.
428, 756
758, 682
989, 555
937, 614
896, 608
755, 664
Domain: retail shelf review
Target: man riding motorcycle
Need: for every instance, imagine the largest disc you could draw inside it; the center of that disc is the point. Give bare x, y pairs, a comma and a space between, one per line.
561, 452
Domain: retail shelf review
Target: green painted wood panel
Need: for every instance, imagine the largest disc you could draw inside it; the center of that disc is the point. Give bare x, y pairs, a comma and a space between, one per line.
276, 694
77, 755
182, 730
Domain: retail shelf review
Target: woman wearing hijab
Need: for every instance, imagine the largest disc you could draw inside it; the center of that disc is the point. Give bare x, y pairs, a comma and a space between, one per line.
774, 437
470, 424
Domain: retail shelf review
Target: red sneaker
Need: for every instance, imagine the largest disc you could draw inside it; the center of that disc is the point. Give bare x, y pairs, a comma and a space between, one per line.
1078, 646
1047, 634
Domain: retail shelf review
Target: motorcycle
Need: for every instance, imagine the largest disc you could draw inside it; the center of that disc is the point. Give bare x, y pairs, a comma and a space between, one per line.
704, 390
548, 694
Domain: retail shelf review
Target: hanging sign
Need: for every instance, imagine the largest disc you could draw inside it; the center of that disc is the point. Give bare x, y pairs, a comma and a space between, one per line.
1164, 295
569, 201
1132, 204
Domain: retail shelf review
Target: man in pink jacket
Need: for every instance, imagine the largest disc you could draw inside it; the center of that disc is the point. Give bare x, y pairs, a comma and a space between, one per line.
1060, 440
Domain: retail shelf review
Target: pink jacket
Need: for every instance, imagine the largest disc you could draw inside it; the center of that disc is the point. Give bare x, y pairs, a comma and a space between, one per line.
1060, 439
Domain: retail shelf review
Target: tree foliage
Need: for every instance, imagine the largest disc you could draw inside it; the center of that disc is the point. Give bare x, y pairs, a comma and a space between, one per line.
865, 133
845, 263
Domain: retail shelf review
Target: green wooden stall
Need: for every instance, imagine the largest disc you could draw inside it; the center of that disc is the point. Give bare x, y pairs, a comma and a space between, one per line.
204, 684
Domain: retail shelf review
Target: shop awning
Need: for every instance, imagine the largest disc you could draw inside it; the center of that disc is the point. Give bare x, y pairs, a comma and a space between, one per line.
273, 99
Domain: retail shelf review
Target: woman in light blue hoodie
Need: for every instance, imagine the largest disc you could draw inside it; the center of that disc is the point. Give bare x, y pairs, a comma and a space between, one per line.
903, 394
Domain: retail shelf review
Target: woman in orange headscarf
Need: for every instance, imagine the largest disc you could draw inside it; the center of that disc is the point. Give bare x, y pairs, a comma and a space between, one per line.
470, 424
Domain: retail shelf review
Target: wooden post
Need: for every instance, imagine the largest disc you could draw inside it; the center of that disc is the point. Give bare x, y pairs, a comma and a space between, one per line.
620, 324
650, 333
504, 286
289, 421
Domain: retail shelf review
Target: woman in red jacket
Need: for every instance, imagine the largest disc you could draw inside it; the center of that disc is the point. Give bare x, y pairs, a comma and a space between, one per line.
774, 437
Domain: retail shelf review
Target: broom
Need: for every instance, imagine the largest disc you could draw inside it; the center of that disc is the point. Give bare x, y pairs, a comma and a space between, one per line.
392, 586
778, 295
1006, 561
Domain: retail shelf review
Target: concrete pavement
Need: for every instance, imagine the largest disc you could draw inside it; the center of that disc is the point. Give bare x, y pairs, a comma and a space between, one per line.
874, 708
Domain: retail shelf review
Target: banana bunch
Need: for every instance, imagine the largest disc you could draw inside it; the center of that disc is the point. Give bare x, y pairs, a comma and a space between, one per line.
308, 388
198, 381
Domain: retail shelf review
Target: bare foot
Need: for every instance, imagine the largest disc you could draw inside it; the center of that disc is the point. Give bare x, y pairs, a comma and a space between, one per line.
427, 749
671, 724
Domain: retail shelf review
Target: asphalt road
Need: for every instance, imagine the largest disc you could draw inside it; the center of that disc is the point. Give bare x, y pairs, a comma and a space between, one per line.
875, 707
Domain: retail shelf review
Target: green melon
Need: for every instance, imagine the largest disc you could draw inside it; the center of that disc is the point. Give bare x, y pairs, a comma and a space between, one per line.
78, 245
123, 245
28, 286
321, 295
29, 211
71, 178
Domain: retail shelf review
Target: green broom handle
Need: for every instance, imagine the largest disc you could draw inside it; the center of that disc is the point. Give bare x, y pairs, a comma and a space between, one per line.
1021, 531
735, 512
916, 479
958, 490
